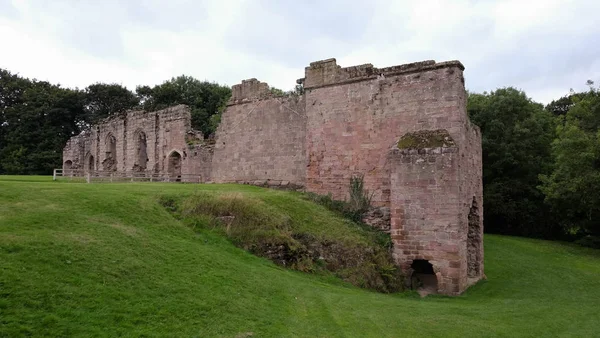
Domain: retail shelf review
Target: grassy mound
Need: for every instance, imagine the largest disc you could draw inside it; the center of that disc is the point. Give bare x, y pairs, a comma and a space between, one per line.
109, 260
278, 226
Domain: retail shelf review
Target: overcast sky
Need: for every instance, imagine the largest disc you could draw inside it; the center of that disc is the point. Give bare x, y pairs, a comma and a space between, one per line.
543, 47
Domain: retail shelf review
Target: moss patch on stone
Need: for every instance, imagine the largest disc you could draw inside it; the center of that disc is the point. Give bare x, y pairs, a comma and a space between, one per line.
426, 139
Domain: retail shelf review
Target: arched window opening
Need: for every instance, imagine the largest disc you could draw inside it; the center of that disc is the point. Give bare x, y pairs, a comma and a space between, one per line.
90, 165
174, 166
141, 148
67, 166
110, 159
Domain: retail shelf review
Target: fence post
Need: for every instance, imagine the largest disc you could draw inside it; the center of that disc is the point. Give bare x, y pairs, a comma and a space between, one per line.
54, 175
88, 178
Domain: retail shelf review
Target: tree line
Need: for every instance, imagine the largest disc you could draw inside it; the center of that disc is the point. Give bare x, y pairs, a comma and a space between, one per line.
541, 164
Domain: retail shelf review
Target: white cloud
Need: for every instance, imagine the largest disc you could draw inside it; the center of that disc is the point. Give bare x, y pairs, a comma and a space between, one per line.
542, 47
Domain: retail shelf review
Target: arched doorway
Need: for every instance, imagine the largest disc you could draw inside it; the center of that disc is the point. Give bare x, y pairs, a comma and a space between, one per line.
67, 166
423, 277
91, 164
141, 148
474, 242
174, 166
110, 158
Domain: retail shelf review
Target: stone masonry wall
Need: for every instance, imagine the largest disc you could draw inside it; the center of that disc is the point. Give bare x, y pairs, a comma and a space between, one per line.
74, 151
261, 138
425, 200
200, 160
471, 188
432, 192
355, 117
356, 114
163, 130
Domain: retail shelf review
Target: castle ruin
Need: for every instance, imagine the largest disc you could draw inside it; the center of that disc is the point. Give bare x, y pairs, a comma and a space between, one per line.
405, 128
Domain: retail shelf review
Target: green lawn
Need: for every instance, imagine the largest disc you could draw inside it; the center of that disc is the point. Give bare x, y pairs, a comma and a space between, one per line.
108, 260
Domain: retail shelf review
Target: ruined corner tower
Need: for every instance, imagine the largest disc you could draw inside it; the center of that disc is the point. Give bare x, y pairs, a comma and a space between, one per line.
406, 129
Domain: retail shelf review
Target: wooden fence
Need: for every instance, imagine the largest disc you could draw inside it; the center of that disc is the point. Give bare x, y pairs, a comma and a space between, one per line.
93, 176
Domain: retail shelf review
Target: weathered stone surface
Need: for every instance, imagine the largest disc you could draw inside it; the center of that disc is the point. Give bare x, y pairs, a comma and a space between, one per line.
262, 139
379, 218
426, 139
143, 142
405, 128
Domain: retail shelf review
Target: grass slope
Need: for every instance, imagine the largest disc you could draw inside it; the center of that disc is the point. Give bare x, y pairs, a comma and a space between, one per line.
108, 260
294, 233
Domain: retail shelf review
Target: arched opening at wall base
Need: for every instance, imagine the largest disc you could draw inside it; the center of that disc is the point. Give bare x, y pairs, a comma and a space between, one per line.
90, 164
67, 168
423, 278
174, 166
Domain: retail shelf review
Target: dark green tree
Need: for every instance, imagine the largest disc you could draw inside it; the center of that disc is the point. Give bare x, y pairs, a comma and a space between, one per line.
103, 100
516, 140
12, 88
276, 91
205, 99
573, 187
38, 118
561, 106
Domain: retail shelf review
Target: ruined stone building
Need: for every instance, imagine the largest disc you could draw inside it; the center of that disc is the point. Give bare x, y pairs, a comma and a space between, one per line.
160, 142
405, 128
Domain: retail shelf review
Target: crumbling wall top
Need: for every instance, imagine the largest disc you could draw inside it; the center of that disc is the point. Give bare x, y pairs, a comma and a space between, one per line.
250, 89
180, 109
327, 72
76, 140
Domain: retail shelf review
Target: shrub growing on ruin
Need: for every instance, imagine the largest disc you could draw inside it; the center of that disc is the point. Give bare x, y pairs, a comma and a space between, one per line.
353, 208
360, 199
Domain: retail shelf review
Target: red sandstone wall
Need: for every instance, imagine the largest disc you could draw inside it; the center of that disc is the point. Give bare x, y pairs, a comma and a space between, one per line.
165, 132
425, 199
174, 123
260, 138
199, 161
74, 151
355, 115
471, 185
432, 191
140, 121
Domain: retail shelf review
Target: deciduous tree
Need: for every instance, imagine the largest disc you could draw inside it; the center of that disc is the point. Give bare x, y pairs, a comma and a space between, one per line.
573, 187
516, 138
205, 99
